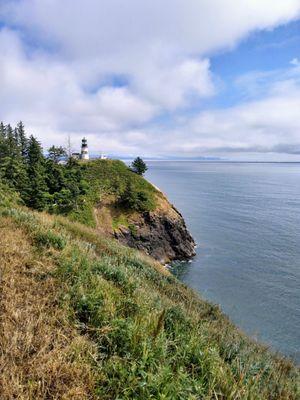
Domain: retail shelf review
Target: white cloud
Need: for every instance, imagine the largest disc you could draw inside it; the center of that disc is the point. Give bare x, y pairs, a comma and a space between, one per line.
268, 125
295, 61
59, 57
89, 27
42, 92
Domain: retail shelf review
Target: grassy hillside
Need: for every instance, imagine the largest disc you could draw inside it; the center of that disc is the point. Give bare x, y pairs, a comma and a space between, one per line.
84, 318
112, 182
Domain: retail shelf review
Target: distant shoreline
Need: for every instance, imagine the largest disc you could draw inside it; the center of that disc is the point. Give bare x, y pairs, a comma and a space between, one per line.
226, 161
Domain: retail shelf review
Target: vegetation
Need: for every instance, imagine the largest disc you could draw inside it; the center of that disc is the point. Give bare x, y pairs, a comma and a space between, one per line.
112, 182
41, 181
85, 318
71, 188
139, 166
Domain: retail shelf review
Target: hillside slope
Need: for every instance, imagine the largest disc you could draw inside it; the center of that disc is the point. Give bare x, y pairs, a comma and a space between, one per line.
126, 206
83, 317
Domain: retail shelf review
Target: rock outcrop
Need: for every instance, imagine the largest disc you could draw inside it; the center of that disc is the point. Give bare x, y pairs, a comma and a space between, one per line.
162, 234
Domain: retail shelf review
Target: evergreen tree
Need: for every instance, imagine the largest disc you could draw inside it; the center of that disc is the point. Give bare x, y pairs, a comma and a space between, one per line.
138, 166
11, 141
12, 164
2, 131
3, 143
74, 184
22, 139
56, 153
55, 177
37, 194
42, 183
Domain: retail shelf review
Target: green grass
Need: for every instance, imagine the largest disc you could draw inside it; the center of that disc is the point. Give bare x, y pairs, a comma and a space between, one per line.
120, 220
84, 213
111, 177
113, 180
108, 181
154, 337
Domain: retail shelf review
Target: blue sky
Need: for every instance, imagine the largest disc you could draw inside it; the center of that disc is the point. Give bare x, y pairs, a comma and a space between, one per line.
262, 51
180, 78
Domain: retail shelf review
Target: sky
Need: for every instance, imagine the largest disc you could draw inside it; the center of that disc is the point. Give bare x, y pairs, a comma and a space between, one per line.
172, 78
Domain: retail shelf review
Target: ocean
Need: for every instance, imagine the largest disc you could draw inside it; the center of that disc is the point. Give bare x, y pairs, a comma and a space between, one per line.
245, 218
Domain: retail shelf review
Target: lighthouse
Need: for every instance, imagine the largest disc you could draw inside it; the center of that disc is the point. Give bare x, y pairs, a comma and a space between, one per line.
84, 150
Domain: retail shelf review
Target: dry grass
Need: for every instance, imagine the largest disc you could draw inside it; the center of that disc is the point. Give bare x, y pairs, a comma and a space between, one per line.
154, 338
41, 355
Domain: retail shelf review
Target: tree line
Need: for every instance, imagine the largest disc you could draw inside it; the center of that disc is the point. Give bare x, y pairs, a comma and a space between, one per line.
42, 182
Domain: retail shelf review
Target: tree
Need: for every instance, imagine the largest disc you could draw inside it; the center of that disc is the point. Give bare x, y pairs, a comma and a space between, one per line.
3, 142
22, 139
12, 144
41, 182
56, 153
2, 131
139, 166
12, 164
37, 194
55, 176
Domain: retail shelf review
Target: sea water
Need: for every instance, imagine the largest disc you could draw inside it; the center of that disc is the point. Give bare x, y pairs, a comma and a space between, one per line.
245, 218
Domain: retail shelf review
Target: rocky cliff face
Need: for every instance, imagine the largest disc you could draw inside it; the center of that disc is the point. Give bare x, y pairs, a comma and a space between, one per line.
162, 234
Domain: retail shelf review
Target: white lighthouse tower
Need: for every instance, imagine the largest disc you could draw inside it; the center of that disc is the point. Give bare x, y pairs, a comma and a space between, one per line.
84, 150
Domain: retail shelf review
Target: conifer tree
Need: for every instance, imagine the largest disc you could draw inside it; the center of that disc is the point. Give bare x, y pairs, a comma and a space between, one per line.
12, 164
56, 153
37, 194
41, 182
22, 139
2, 131
139, 166
3, 143
11, 141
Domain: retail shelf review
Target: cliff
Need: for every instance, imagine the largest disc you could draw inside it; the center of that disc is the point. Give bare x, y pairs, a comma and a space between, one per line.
129, 208
161, 233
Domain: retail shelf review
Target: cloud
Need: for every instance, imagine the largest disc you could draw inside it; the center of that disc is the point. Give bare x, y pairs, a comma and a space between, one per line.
295, 61
43, 91
85, 28
61, 64
270, 124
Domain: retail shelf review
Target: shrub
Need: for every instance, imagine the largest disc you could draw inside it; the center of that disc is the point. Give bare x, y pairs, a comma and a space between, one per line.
137, 199
49, 239
8, 196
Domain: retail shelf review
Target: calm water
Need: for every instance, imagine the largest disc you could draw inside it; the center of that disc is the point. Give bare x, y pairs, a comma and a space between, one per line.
246, 221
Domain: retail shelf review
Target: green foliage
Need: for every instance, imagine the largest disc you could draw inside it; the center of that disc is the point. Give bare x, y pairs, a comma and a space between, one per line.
120, 220
37, 190
22, 139
137, 200
8, 196
49, 239
113, 178
42, 182
84, 213
56, 153
139, 166
73, 188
